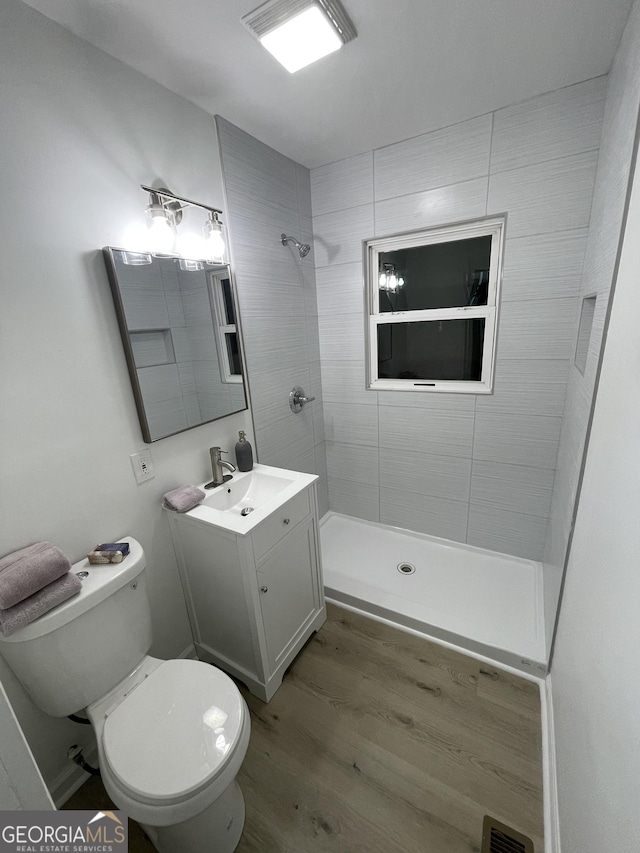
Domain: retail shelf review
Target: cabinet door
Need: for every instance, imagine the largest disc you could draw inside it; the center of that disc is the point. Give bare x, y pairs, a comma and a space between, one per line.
287, 584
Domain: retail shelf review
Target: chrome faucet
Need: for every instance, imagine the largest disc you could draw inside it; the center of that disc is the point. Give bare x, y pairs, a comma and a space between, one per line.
217, 464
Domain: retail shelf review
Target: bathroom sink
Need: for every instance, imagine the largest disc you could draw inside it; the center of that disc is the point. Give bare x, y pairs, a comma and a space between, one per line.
245, 500
247, 492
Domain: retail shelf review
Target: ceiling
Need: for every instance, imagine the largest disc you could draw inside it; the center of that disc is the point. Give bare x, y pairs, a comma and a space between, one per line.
416, 65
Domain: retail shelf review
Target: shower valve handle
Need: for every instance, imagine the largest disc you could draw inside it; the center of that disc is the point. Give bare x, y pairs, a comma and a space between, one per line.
298, 398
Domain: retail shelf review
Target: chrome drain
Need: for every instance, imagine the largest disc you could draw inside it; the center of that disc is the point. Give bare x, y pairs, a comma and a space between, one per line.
406, 568
246, 510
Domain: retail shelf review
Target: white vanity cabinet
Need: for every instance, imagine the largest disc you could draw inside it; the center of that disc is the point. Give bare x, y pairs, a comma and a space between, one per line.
254, 597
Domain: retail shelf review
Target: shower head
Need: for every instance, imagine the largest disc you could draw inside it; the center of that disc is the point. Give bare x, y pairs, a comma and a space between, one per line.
303, 248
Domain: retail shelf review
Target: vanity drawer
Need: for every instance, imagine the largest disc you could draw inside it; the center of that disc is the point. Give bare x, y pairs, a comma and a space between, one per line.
285, 519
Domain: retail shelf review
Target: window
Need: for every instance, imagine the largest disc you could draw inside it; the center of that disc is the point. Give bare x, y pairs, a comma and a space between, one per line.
432, 300
224, 317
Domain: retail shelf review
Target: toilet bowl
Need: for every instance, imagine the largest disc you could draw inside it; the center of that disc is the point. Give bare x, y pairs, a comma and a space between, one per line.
171, 739
171, 735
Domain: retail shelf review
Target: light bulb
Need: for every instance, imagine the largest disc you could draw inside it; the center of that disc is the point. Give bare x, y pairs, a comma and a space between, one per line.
190, 245
214, 241
160, 227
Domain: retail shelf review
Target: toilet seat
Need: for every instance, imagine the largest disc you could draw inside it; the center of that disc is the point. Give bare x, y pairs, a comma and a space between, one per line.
175, 733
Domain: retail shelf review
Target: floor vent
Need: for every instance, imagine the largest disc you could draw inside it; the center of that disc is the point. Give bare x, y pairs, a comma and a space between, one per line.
498, 838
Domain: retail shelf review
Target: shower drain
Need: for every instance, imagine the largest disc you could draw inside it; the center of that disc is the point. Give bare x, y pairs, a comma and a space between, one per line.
406, 568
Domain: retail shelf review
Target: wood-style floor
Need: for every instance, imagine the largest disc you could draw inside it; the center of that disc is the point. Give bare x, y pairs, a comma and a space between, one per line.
383, 742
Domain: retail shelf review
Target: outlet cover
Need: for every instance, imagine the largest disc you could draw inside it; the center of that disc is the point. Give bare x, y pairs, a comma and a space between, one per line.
142, 465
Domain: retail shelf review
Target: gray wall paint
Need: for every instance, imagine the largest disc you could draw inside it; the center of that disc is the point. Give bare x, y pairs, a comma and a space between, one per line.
473, 469
268, 194
81, 131
596, 666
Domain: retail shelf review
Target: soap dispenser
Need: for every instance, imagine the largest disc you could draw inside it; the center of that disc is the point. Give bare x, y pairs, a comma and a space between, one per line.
244, 453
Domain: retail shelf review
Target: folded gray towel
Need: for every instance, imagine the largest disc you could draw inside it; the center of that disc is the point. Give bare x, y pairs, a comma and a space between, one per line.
31, 608
184, 498
28, 570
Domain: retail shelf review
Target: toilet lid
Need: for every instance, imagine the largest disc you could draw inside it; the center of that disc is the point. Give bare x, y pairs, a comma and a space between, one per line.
175, 731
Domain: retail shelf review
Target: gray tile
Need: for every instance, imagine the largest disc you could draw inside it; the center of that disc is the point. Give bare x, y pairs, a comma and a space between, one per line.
286, 441
275, 297
527, 386
442, 157
424, 430
359, 500
343, 382
404, 468
352, 462
166, 416
303, 190
159, 383
340, 288
516, 439
558, 124
254, 172
337, 237
546, 197
353, 424
518, 488
544, 266
539, 329
455, 404
347, 183
452, 203
343, 335
507, 532
270, 392
435, 516
203, 344
273, 342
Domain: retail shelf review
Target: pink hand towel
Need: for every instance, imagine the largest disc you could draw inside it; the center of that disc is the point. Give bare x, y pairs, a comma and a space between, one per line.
184, 498
31, 608
28, 570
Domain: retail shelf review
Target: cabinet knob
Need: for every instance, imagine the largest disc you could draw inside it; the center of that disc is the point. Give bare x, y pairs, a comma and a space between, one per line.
264, 589
286, 520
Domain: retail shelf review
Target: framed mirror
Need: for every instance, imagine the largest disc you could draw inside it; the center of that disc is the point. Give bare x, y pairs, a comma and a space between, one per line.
178, 322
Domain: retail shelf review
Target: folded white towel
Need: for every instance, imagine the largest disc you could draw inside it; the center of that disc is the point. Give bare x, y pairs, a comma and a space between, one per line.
26, 571
183, 498
31, 608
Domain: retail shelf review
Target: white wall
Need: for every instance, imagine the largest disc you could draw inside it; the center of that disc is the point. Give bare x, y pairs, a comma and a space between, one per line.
596, 667
80, 132
472, 469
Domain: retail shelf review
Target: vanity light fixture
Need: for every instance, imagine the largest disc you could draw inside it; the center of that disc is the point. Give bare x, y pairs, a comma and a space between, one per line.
389, 280
164, 214
298, 32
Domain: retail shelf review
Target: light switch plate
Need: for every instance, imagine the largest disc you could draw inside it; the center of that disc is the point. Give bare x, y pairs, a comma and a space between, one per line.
142, 465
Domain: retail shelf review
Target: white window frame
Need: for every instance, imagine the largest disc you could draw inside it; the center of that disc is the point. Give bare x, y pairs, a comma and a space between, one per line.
222, 328
491, 226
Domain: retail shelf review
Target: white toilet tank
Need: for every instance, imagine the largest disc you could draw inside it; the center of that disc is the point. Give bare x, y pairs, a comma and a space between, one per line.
78, 651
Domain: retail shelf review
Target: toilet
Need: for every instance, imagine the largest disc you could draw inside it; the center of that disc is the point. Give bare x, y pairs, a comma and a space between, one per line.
171, 735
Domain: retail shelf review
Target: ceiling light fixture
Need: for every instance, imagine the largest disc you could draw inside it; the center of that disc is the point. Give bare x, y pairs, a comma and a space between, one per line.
297, 32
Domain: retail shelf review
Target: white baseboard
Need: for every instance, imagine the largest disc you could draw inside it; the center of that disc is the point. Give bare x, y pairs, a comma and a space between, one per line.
549, 771
72, 778
189, 653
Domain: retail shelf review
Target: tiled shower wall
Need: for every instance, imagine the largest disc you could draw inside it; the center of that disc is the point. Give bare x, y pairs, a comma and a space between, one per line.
268, 194
472, 469
618, 134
